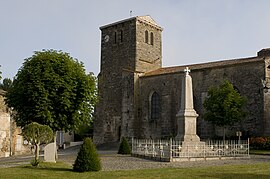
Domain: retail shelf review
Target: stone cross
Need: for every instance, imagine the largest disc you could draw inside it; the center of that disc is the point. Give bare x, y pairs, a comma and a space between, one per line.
187, 70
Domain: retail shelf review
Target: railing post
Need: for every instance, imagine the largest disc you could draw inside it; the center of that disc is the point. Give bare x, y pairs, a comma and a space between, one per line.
132, 147
204, 150
170, 150
248, 147
234, 148
153, 148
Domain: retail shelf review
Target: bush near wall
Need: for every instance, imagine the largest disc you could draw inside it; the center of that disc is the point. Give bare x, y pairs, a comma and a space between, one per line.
260, 143
124, 147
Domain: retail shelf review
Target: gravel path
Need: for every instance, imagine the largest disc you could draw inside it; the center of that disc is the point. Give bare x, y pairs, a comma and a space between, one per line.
130, 163
111, 161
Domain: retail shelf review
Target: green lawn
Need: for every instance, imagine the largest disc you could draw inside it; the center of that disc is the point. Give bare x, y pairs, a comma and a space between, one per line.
62, 171
259, 152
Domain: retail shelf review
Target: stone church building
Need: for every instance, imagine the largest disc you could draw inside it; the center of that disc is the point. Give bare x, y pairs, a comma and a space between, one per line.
140, 98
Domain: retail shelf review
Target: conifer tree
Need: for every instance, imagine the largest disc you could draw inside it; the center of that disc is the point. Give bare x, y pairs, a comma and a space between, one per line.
124, 147
87, 158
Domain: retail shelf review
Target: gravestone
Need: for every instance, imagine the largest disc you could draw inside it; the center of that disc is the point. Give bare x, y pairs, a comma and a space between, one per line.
50, 152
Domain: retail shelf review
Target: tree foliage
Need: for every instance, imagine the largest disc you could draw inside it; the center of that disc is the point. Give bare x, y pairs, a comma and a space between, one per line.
6, 85
87, 158
37, 134
52, 88
224, 105
84, 130
124, 147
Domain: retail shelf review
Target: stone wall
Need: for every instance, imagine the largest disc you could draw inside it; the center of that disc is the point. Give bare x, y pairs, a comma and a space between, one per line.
246, 77
148, 56
116, 54
11, 142
4, 134
124, 56
266, 90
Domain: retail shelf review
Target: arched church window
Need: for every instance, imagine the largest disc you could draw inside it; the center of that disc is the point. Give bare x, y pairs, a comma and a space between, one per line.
146, 36
152, 38
236, 89
155, 106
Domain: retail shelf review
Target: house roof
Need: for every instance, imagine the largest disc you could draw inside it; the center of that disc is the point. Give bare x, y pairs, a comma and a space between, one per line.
180, 69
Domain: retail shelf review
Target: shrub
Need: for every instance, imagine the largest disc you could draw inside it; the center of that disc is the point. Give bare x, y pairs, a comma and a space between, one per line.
124, 147
262, 143
87, 158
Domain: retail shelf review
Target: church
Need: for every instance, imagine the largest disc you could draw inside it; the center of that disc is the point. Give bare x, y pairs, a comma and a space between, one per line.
139, 98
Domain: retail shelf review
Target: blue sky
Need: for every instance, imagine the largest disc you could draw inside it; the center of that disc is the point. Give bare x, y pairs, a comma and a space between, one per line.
195, 31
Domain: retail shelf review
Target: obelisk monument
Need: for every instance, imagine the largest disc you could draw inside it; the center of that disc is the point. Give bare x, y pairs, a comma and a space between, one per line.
187, 116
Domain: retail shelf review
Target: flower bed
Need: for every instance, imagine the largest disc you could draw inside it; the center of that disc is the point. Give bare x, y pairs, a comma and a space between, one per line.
262, 143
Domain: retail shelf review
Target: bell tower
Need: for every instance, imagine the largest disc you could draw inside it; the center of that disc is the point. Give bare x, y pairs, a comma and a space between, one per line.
129, 48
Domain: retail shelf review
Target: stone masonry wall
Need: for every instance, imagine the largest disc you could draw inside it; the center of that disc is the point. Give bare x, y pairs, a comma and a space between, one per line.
245, 77
266, 90
4, 134
4, 129
148, 56
7, 143
123, 58
116, 55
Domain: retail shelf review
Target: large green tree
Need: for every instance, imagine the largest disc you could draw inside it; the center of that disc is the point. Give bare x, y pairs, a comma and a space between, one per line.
224, 106
52, 88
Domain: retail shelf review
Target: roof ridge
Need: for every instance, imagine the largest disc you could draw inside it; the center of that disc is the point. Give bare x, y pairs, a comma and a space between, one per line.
175, 69
146, 19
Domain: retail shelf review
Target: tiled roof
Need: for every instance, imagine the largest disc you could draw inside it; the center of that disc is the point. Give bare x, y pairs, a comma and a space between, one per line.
149, 20
178, 69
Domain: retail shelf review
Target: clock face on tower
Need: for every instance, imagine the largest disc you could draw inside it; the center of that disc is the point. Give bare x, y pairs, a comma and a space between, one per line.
106, 38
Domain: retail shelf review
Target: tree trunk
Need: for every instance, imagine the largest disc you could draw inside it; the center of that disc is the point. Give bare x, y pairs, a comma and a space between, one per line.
224, 134
54, 139
36, 152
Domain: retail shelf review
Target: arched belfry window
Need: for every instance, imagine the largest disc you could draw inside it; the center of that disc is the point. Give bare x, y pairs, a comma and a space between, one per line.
152, 38
121, 36
146, 36
115, 37
155, 106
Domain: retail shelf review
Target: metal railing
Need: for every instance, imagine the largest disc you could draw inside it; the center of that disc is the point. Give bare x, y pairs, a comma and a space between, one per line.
168, 150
